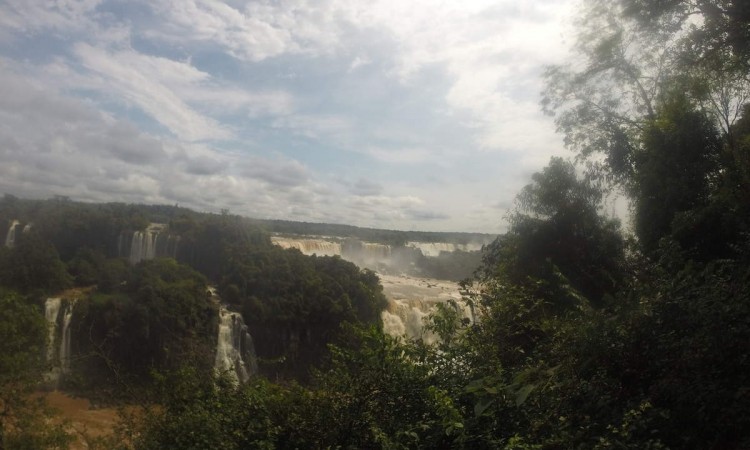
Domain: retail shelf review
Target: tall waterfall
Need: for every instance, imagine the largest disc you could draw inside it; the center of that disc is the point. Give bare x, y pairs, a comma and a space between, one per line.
10, 237
143, 246
65, 337
51, 311
235, 352
59, 314
148, 244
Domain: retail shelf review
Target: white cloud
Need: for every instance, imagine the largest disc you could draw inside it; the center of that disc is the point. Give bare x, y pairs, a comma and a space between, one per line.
144, 81
422, 86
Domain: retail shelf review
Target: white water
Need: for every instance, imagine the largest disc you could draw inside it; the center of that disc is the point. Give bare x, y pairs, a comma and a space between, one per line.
51, 311
65, 336
235, 353
58, 313
143, 243
10, 237
411, 300
309, 247
364, 254
433, 249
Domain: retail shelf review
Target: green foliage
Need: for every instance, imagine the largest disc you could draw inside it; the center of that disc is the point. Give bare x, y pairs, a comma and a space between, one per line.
675, 170
558, 246
294, 304
33, 265
24, 420
198, 412
159, 319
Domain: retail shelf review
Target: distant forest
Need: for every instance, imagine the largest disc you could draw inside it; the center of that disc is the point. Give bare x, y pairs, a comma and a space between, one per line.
390, 237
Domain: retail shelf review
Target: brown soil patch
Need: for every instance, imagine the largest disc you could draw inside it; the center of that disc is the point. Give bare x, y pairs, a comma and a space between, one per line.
84, 421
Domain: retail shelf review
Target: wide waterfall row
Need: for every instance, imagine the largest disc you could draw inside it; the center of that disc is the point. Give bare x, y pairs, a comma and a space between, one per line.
365, 254
433, 249
59, 314
149, 244
235, 351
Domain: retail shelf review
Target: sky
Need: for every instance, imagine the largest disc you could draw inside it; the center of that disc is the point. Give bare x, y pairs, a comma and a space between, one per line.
411, 115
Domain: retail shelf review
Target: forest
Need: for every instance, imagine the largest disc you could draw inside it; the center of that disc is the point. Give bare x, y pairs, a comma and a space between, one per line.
590, 334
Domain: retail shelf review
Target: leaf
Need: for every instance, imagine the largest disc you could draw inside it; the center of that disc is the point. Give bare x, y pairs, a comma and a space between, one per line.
482, 405
523, 393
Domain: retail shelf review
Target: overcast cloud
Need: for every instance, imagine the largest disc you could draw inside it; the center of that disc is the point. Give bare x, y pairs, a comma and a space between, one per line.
396, 114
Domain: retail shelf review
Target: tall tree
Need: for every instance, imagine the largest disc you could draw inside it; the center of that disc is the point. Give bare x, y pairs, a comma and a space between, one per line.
558, 240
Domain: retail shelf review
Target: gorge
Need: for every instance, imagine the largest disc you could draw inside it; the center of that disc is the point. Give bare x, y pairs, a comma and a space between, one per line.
410, 298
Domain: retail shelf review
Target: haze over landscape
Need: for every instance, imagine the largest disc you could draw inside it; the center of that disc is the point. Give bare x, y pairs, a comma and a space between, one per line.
411, 115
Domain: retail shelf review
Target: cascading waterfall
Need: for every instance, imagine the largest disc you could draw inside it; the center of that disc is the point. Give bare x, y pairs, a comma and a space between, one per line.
10, 237
142, 247
66, 336
148, 244
51, 311
58, 314
309, 247
235, 352
433, 249
411, 300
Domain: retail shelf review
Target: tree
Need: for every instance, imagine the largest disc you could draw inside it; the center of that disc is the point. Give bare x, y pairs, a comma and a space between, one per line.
664, 125
558, 245
33, 264
721, 34
24, 421
676, 169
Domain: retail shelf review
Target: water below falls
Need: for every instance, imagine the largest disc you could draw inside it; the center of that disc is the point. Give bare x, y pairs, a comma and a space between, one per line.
411, 300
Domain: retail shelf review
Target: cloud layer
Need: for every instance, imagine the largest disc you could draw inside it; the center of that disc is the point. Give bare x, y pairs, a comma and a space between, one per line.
410, 115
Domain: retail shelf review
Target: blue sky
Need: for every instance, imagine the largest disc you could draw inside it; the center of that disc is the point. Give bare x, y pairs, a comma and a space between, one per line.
415, 115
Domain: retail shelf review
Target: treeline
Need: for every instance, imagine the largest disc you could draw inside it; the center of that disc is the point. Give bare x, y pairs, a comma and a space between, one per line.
389, 237
132, 322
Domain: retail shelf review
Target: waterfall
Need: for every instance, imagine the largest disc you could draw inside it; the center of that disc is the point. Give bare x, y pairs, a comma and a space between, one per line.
145, 245
65, 337
235, 352
10, 237
51, 311
433, 249
59, 314
309, 247
411, 300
